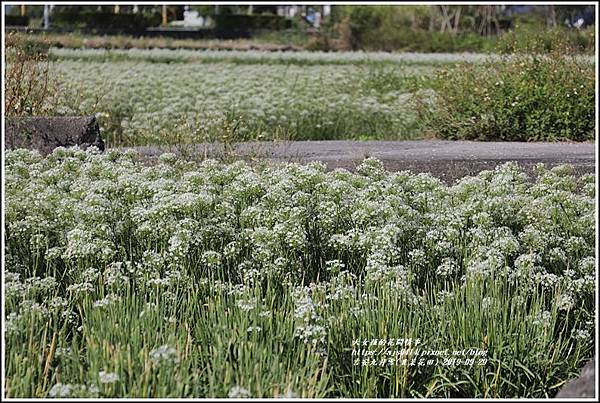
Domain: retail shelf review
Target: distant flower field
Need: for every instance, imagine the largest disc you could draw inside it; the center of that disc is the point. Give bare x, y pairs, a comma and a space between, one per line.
206, 279
269, 57
279, 57
140, 103
182, 97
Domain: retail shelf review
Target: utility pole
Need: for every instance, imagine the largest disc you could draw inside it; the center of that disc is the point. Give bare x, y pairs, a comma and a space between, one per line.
23, 9
164, 15
46, 16
550, 16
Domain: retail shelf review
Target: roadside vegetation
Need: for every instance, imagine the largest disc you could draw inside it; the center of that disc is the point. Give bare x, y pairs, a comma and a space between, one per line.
74, 40
527, 96
31, 89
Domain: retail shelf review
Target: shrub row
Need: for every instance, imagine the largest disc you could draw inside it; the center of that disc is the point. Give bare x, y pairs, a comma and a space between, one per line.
105, 21
392, 28
524, 98
224, 22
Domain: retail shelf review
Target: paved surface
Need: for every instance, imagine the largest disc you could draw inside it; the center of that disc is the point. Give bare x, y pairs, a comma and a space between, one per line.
582, 387
447, 160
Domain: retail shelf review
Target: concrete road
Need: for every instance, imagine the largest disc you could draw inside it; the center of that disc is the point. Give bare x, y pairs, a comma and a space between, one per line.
447, 160
582, 387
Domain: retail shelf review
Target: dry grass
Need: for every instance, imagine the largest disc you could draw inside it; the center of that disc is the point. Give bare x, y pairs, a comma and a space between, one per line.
30, 85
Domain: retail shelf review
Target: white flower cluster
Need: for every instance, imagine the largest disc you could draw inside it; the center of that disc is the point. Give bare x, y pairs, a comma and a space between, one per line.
107, 377
310, 326
62, 390
238, 392
108, 300
164, 354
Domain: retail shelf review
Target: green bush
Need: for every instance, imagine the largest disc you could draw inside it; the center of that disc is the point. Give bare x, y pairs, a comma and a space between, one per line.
391, 28
251, 22
363, 21
523, 98
533, 39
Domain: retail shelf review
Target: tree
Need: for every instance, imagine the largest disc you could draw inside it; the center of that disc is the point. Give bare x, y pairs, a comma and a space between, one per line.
487, 16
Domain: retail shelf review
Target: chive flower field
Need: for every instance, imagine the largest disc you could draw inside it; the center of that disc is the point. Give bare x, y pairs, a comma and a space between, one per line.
141, 102
205, 279
181, 97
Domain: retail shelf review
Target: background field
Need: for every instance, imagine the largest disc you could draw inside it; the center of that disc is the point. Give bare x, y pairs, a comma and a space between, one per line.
202, 97
178, 97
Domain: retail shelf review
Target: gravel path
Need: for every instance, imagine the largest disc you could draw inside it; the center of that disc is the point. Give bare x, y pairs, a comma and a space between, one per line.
447, 160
